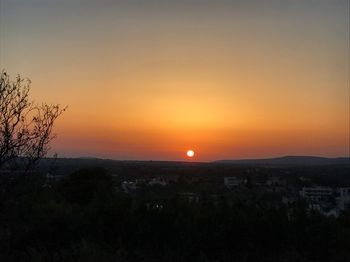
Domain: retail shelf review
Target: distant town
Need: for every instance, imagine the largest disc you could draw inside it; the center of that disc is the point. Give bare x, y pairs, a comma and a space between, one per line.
285, 209
322, 184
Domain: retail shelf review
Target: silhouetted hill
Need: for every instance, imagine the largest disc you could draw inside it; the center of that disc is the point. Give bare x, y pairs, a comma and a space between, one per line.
292, 160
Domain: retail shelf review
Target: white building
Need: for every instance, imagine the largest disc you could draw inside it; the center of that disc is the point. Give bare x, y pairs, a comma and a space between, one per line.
276, 181
321, 199
128, 186
52, 178
316, 194
344, 197
157, 181
233, 181
190, 197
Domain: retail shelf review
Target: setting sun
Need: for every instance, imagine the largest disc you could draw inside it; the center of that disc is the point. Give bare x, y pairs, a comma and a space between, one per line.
190, 153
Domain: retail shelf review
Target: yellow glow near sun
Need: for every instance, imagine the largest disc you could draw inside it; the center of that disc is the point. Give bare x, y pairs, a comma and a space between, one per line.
190, 153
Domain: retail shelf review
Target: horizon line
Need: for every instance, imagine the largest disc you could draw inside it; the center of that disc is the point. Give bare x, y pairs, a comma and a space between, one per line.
194, 161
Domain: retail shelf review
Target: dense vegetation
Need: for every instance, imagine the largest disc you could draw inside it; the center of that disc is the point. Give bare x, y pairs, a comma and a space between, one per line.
84, 218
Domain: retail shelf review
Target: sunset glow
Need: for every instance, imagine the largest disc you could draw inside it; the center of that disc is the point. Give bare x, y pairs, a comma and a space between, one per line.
146, 79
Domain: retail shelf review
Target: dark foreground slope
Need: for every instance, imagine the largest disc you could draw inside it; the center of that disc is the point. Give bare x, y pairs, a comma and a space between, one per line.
86, 217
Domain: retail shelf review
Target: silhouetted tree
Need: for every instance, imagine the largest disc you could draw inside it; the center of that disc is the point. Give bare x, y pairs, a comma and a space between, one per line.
25, 127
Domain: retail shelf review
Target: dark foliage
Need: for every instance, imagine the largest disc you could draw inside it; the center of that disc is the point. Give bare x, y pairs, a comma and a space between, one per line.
84, 218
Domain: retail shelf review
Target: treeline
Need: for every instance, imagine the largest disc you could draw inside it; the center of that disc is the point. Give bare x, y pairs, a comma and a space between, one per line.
84, 218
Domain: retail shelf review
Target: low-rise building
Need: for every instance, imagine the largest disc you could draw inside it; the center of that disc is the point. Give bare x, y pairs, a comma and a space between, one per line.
276, 181
190, 197
128, 186
344, 197
53, 178
157, 181
231, 182
316, 194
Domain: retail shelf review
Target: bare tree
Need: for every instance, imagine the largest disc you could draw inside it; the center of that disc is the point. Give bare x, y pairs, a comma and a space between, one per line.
25, 127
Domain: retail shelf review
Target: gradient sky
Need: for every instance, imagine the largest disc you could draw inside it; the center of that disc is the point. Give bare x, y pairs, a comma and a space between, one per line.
150, 79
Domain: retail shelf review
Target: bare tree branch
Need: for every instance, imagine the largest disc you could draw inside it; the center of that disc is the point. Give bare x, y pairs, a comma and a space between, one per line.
26, 129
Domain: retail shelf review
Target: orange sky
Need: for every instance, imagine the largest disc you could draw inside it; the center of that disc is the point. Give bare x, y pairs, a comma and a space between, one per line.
151, 79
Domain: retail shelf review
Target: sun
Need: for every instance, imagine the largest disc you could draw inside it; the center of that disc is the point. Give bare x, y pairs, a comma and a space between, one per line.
190, 153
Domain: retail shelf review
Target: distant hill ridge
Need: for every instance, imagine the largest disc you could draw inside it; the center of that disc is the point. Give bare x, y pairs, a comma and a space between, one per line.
292, 160
277, 161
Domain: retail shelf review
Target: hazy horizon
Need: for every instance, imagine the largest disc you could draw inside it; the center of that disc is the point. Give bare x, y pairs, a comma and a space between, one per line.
148, 80
194, 160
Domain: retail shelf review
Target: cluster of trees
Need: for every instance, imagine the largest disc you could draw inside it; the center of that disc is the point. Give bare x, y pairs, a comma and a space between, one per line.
84, 218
